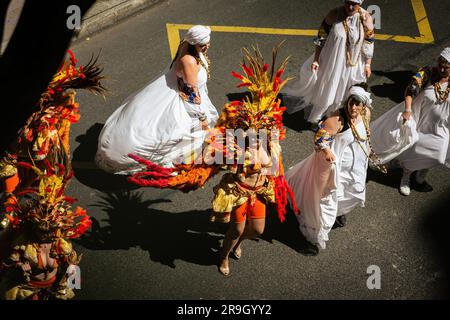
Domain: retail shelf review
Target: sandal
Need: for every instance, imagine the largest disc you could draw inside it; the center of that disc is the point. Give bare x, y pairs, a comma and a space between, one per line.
224, 270
237, 253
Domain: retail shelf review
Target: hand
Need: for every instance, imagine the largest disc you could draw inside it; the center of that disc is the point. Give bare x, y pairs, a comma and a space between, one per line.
26, 267
367, 71
329, 156
314, 66
205, 125
406, 116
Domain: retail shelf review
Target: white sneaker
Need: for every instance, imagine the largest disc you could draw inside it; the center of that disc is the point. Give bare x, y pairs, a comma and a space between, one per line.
405, 190
404, 183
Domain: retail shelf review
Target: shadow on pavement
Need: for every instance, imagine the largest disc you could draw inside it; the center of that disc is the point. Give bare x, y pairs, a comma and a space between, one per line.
393, 91
238, 96
390, 179
434, 228
296, 121
286, 232
167, 236
91, 176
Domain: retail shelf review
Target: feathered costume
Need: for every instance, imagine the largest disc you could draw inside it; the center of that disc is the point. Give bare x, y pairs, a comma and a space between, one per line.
35, 247
261, 112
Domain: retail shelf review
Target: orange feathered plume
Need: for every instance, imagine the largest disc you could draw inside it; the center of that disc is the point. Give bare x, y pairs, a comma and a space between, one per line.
184, 177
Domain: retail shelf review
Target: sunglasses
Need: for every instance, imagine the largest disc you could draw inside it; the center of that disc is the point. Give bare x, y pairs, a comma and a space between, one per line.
355, 100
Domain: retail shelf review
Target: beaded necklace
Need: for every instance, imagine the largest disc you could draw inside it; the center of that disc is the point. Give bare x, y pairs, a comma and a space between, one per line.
203, 64
372, 157
441, 95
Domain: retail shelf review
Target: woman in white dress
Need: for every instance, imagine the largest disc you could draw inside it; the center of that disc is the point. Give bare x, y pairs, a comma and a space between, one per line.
167, 121
416, 132
344, 51
332, 180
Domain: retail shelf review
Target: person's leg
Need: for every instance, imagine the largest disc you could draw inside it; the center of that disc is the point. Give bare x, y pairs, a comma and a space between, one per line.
419, 182
234, 232
405, 182
255, 226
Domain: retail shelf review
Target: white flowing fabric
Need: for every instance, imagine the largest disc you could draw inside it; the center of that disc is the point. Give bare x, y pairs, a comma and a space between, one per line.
390, 136
433, 127
155, 124
325, 190
324, 91
424, 141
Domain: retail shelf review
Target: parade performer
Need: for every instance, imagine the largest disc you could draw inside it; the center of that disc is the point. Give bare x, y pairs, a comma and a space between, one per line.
416, 132
38, 221
245, 142
331, 181
41, 224
343, 57
168, 119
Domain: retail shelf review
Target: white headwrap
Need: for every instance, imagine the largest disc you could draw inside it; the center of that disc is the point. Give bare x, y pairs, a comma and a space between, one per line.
355, 1
198, 35
446, 54
362, 94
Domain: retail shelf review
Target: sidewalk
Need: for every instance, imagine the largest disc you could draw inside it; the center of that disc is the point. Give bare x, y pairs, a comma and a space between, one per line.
102, 14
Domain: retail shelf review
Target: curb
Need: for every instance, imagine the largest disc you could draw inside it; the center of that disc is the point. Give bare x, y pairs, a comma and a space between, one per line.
112, 15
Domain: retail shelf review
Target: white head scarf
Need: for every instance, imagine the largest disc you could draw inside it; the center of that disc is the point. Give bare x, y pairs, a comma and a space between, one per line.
355, 1
362, 94
446, 54
198, 35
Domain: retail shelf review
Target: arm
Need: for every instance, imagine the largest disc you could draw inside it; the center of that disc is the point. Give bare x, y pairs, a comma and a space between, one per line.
368, 45
322, 36
416, 85
324, 135
190, 71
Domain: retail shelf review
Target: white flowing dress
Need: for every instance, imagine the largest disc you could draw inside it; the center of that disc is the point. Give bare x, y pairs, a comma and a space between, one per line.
323, 91
324, 190
423, 142
156, 124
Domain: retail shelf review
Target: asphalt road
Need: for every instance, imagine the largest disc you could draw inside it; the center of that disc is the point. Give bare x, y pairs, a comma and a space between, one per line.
158, 244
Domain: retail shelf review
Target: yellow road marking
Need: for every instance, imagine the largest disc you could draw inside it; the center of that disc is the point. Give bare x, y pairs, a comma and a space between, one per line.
422, 21
426, 35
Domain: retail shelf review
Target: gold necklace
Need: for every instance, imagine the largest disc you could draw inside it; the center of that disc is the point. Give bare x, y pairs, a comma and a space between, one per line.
441, 95
372, 156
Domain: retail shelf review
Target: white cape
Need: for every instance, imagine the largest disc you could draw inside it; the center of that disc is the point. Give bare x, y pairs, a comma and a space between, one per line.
390, 136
